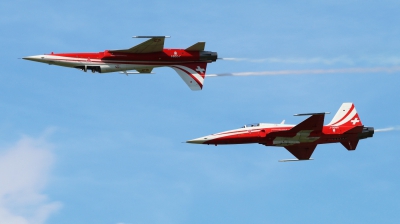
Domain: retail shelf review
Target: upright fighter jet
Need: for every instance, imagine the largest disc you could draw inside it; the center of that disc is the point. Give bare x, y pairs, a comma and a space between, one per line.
189, 63
301, 139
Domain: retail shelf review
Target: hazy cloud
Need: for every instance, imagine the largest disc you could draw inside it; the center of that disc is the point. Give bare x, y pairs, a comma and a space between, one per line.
24, 171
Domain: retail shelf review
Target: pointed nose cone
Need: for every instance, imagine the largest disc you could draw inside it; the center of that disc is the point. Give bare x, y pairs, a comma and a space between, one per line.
38, 58
30, 58
201, 140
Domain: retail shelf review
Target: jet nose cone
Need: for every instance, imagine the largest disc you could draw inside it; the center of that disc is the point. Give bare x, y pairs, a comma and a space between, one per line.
194, 141
39, 58
29, 57
198, 140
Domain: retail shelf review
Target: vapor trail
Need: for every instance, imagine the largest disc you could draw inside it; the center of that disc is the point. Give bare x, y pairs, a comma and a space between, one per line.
394, 128
388, 60
312, 71
314, 60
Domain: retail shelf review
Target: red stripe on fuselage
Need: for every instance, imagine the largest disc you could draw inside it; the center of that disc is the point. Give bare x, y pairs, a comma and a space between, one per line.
245, 137
169, 55
122, 62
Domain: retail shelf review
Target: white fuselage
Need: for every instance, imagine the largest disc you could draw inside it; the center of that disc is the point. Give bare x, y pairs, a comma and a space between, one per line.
247, 130
106, 66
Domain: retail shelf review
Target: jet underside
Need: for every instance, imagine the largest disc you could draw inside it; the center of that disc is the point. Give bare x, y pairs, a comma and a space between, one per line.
190, 63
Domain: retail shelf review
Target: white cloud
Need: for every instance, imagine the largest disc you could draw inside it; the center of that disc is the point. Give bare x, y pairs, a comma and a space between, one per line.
24, 171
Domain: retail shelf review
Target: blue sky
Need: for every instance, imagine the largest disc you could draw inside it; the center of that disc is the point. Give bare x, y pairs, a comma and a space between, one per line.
105, 148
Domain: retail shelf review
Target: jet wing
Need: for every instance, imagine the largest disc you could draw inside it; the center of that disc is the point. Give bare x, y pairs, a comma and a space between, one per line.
314, 123
301, 151
154, 44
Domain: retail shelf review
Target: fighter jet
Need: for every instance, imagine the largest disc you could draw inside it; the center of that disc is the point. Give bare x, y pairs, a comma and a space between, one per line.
300, 140
189, 63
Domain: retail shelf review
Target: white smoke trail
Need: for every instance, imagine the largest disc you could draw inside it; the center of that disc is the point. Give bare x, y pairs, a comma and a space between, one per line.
394, 128
312, 71
315, 60
381, 60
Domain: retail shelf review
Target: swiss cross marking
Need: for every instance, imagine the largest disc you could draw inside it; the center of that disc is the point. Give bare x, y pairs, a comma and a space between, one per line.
355, 121
199, 69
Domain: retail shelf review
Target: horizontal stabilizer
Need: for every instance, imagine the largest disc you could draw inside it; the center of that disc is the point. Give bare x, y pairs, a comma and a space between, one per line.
350, 144
294, 160
199, 46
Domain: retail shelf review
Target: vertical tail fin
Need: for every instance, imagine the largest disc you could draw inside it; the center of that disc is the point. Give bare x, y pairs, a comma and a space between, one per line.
346, 116
192, 74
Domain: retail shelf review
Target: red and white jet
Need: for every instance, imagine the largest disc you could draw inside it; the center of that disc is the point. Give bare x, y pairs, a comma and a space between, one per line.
301, 139
189, 63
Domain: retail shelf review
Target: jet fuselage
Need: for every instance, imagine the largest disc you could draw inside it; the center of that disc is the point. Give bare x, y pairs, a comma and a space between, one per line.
276, 135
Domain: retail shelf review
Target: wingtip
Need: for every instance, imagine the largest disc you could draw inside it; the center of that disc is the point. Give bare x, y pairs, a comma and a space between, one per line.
294, 160
308, 114
151, 36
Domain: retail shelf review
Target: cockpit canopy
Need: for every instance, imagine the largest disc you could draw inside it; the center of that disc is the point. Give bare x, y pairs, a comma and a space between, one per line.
266, 125
251, 125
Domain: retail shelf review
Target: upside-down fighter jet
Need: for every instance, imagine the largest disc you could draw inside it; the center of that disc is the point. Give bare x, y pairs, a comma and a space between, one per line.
301, 139
189, 63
